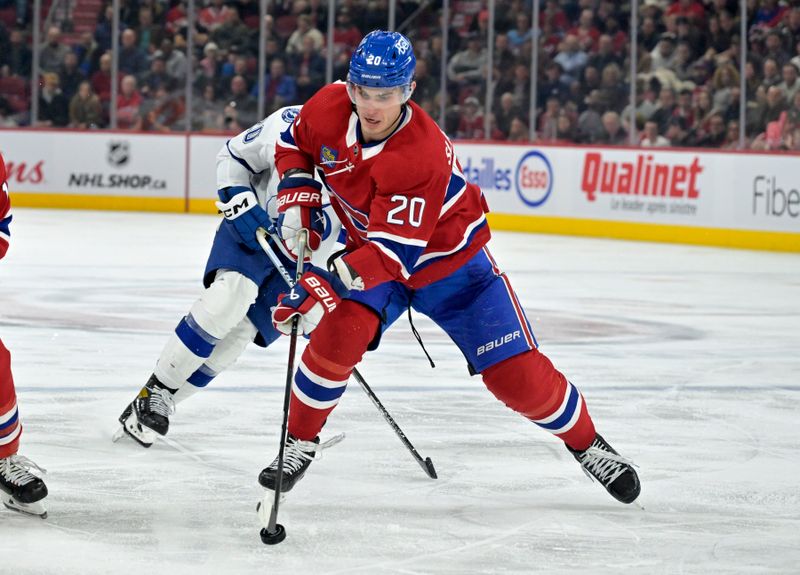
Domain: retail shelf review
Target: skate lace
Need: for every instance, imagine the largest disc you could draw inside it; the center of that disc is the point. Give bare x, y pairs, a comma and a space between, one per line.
603, 465
161, 402
299, 451
17, 469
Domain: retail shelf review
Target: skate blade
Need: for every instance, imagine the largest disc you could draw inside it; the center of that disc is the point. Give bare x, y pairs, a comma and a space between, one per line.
264, 507
36, 508
134, 430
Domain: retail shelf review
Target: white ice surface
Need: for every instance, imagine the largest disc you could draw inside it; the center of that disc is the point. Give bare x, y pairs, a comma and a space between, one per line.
688, 358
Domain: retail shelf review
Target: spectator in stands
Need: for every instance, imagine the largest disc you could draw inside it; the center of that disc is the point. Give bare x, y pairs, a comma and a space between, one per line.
770, 74
305, 28
571, 58
129, 100
548, 119
280, 88
174, 61
209, 113
156, 77
684, 106
590, 123
663, 54
7, 119
466, 68
176, 18
678, 133
162, 113
725, 79
605, 54
551, 84
771, 109
232, 32
715, 38
774, 48
521, 33
518, 131
70, 76
101, 80
244, 105
732, 136
149, 33
555, 15
649, 34
565, 128
504, 57
471, 124
346, 34
645, 103
209, 65
790, 84
53, 106
85, 109
213, 16
715, 136
309, 70
585, 31
651, 138
682, 61
614, 134
18, 57
53, 51
613, 91
132, 60
505, 112
104, 28
665, 109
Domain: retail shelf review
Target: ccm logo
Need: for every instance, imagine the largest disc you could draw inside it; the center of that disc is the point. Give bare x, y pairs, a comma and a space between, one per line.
237, 210
302, 198
323, 295
498, 342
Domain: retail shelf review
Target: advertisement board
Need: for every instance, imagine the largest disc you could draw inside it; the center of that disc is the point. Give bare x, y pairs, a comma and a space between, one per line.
102, 169
689, 196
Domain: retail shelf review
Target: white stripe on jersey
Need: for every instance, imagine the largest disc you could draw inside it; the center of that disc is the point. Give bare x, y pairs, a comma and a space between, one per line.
312, 402
319, 380
425, 257
8, 414
12, 437
398, 239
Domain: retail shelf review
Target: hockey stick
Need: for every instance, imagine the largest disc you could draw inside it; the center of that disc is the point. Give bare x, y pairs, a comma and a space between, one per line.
274, 533
426, 464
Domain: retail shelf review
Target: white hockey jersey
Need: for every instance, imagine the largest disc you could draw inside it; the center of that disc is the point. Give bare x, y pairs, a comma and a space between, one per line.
248, 159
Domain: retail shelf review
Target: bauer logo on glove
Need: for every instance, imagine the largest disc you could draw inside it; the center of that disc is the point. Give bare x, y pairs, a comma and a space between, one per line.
318, 292
299, 206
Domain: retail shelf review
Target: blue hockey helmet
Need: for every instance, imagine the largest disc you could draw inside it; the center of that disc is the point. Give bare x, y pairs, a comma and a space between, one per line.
383, 60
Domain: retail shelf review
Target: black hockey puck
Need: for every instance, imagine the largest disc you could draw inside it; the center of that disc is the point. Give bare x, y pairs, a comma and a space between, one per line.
273, 538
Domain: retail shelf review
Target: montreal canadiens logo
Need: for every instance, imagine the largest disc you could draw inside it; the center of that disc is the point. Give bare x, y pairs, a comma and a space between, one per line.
534, 179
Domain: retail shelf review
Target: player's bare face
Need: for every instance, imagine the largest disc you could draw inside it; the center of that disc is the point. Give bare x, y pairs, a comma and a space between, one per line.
378, 109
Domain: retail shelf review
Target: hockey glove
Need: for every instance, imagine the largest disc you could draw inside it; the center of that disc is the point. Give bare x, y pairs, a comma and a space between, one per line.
317, 293
300, 208
239, 205
346, 273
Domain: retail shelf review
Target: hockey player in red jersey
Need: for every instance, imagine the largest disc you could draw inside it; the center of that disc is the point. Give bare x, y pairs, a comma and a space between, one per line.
21, 490
417, 236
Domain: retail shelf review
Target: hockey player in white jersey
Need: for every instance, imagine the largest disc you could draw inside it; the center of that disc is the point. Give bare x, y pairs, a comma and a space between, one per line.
241, 282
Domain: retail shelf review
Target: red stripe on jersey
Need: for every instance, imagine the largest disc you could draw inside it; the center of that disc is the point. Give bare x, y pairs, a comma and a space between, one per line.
523, 322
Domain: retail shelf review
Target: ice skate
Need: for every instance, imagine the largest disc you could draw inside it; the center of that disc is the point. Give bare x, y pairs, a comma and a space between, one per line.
297, 457
614, 472
22, 490
147, 416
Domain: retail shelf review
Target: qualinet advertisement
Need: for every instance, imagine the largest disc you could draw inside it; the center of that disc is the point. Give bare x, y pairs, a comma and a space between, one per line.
103, 164
733, 191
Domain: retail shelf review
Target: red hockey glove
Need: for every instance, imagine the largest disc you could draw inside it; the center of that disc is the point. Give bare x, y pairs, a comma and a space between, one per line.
317, 293
300, 208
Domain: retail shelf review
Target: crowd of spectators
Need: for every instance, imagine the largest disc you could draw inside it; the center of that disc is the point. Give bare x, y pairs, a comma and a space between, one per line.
687, 67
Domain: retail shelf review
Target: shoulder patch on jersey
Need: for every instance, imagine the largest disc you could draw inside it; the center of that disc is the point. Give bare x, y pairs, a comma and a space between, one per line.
289, 114
328, 156
253, 133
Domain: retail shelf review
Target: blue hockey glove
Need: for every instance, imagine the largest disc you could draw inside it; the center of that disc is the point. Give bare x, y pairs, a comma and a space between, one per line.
239, 205
317, 293
300, 208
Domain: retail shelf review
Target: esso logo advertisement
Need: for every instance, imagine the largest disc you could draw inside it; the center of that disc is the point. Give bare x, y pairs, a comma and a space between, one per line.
534, 179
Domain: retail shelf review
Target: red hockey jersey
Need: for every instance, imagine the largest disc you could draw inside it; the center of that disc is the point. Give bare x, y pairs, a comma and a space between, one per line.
5, 210
409, 211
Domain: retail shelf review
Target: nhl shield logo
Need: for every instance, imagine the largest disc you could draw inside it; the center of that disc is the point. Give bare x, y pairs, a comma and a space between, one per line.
328, 156
118, 153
